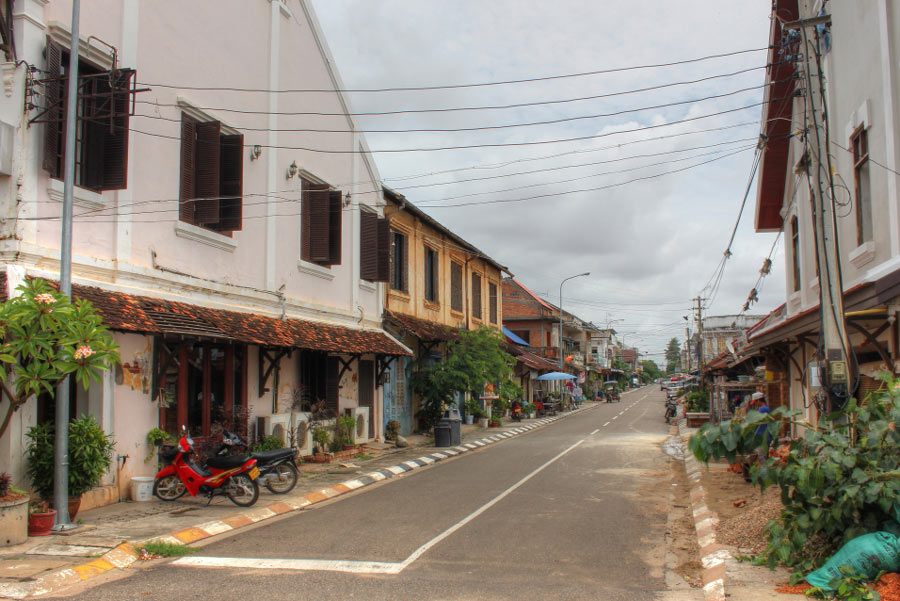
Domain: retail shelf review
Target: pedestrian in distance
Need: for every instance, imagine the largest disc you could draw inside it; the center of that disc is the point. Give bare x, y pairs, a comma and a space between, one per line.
758, 403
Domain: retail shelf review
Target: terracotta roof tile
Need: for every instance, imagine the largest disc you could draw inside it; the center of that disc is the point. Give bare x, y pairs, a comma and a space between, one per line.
420, 328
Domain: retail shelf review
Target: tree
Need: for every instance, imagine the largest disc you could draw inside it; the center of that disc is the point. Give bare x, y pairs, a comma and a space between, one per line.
673, 355
651, 370
473, 358
45, 337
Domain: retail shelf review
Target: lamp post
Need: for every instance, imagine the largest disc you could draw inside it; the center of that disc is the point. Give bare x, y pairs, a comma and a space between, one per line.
561, 315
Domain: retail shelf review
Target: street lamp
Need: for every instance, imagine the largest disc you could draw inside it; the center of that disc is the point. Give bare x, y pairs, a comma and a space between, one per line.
561, 315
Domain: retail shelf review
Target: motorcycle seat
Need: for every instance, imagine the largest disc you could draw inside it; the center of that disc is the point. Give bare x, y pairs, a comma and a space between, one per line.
269, 456
225, 463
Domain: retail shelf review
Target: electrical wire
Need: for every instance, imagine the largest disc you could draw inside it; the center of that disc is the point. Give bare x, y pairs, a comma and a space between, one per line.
454, 86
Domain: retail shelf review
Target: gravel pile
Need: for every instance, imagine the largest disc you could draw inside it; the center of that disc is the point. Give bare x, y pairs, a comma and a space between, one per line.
746, 530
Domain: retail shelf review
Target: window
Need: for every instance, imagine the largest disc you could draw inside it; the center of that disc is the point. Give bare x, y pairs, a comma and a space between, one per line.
375, 247
476, 295
212, 166
431, 275
523, 334
101, 132
319, 379
795, 252
320, 224
456, 286
399, 268
860, 145
492, 302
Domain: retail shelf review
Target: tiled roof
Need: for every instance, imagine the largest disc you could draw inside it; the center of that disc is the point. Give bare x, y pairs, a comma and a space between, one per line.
530, 359
132, 313
420, 328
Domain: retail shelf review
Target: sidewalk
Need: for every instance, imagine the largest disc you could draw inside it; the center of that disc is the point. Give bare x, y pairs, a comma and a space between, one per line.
723, 576
105, 541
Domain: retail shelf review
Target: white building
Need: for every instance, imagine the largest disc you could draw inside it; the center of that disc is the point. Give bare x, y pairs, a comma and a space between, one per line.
219, 237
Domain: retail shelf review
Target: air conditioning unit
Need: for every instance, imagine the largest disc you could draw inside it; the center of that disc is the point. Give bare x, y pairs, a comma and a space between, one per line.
277, 424
361, 432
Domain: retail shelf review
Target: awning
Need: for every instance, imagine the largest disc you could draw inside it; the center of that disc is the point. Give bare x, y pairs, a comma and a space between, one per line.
512, 337
146, 315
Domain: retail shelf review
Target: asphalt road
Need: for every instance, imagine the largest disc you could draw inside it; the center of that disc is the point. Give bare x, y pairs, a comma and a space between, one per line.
575, 510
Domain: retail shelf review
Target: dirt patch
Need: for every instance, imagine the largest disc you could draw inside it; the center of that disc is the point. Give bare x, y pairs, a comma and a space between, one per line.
743, 510
683, 551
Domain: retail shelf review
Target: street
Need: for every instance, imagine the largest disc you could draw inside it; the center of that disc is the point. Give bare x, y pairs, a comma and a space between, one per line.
575, 510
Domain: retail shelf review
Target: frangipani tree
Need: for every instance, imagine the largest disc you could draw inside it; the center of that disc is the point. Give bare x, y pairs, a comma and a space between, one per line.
45, 337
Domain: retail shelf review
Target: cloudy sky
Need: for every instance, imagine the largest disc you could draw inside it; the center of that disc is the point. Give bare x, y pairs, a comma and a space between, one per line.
640, 188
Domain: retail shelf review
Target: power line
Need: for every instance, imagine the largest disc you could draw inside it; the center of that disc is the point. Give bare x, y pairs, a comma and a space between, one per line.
460, 108
455, 86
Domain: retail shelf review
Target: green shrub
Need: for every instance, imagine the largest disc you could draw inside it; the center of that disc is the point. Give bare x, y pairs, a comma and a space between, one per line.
392, 430
697, 402
269, 443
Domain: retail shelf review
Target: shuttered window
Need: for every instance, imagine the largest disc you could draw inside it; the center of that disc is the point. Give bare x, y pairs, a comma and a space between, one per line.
431, 275
103, 110
399, 262
476, 295
374, 247
456, 286
212, 166
320, 224
492, 302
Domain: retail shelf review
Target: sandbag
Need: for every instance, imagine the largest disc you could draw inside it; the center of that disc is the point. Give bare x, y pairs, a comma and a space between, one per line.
867, 554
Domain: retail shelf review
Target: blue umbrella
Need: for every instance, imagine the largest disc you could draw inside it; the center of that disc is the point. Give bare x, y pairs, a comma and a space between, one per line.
556, 375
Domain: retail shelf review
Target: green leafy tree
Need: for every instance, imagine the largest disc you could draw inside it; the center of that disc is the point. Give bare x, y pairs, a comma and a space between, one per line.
651, 370
673, 356
472, 358
839, 481
45, 337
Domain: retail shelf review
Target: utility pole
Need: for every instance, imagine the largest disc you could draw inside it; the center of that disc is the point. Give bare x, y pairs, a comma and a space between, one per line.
61, 441
831, 303
699, 338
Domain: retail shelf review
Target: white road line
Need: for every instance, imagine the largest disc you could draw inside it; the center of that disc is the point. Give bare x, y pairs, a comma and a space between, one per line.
615, 417
359, 567
606, 424
594, 432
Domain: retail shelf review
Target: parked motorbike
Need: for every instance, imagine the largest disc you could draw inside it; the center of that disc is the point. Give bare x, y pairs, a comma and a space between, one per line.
516, 413
671, 410
277, 468
234, 477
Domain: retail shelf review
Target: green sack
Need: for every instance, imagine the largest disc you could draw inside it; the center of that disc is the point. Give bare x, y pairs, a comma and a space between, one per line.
867, 554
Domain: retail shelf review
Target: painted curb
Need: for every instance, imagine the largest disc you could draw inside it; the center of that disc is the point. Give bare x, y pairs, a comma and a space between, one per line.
712, 555
124, 555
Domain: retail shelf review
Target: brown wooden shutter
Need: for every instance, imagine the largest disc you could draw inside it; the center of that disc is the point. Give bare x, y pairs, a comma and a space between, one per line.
368, 245
188, 171
456, 291
231, 183
492, 302
404, 261
306, 203
476, 295
115, 133
384, 250
335, 212
207, 184
319, 214
53, 101
332, 385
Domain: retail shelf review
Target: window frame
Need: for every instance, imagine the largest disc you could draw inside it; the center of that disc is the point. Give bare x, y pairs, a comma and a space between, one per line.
431, 259
399, 265
795, 253
321, 223
456, 286
493, 308
477, 304
862, 185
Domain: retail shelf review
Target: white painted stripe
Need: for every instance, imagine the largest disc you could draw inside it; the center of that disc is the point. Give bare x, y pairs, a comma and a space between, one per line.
396, 470
360, 567
615, 417
377, 476
606, 424
411, 464
215, 527
439, 455
479, 443
325, 565
594, 432
353, 484
426, 459
469, 445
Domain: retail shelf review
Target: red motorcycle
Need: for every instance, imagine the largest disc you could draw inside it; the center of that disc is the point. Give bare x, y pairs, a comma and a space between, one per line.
231, 476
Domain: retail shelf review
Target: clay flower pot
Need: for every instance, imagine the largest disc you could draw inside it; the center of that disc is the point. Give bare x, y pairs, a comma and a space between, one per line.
40, 523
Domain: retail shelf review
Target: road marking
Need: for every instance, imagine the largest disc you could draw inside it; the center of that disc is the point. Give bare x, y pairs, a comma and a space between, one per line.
615, 417
594, 432
360, 567
606, 424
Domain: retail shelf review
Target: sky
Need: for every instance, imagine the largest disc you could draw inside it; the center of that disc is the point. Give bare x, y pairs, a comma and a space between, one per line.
640, 187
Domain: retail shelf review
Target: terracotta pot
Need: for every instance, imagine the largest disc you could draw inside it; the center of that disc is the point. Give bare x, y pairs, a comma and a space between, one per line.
39, 524
14, 521
74, 506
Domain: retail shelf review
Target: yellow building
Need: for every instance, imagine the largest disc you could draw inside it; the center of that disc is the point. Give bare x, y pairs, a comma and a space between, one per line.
437, 282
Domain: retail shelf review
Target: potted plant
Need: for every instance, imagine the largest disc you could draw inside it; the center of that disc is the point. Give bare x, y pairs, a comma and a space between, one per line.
90, 455
156, 437
40, 518
13, 513
343, 432
392, 430
321, 439
472, 409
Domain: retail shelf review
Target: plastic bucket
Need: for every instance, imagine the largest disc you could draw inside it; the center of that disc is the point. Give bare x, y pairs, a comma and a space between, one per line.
142, 488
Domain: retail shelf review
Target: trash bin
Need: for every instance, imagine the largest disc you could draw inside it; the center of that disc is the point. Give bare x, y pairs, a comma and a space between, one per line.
442, 434
454, 421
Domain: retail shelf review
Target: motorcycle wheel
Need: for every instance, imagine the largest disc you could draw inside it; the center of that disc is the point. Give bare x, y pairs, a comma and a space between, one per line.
168, 488
242, 490
282, 479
